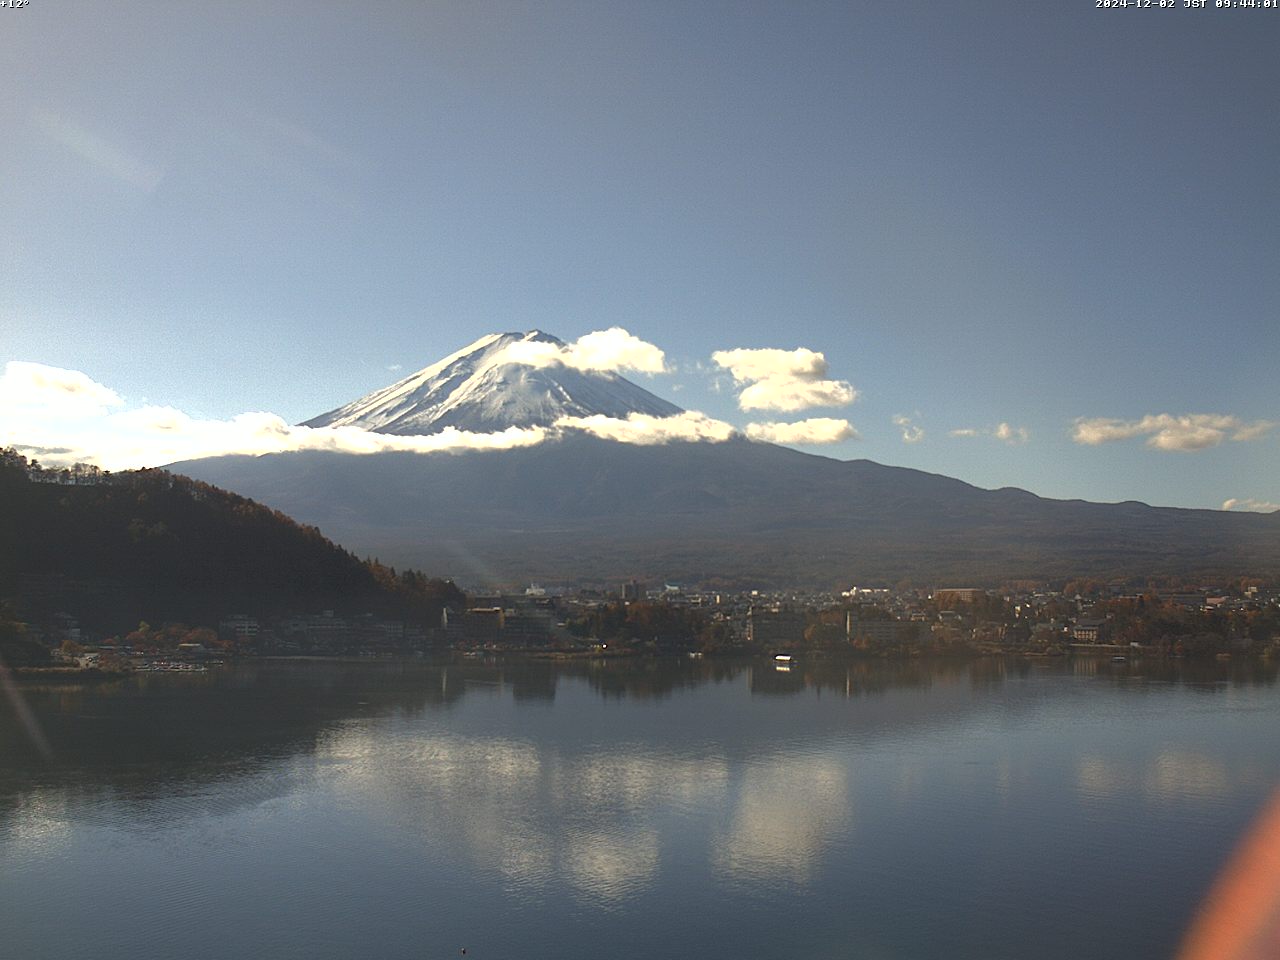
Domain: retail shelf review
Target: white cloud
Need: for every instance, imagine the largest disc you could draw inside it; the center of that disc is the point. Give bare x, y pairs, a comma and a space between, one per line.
151, 436
911, 431
1248, 504
789, 380
1185, 438
793, 395
36, 388
612, 349
68, 417
815, 430
1100, 430
747, 365
1011, 435
1184, 433
643, 429
1252, 431
1004, 432
150, 418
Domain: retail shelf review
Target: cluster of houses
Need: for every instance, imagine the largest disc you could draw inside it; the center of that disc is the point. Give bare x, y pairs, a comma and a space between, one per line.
875, 616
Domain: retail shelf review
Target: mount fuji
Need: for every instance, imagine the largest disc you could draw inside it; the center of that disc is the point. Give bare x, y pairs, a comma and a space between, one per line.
580, 508
482, 389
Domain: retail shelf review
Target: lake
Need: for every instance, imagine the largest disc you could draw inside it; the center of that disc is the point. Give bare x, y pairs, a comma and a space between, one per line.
629, 808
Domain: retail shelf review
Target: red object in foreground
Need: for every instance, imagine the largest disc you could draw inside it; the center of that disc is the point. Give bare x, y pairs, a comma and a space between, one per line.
1240, 919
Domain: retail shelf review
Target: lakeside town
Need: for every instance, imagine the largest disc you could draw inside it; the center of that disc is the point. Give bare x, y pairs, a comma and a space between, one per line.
151, 571
1081, 617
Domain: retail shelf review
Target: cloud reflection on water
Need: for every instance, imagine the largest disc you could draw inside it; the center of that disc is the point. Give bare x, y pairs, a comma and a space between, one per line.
612, 864
788, 810
598, 820
467, 773
1167, 777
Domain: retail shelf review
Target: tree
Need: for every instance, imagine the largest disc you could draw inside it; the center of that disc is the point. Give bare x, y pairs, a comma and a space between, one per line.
17, 648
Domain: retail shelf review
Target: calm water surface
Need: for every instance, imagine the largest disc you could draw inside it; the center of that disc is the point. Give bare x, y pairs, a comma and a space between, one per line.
646, 809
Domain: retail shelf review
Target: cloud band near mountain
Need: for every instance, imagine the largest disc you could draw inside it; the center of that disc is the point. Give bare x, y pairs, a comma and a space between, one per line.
603, 350
787, 380
1185, 433
67, 417
816, 430
1004, 432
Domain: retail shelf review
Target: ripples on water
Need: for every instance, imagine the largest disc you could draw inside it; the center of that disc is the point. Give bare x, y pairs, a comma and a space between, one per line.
630, 809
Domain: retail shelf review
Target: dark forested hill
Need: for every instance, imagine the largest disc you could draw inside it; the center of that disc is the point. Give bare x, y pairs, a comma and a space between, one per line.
739, 513
113, 548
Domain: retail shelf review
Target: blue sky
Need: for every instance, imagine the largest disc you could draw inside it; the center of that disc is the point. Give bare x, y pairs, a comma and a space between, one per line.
1005, 213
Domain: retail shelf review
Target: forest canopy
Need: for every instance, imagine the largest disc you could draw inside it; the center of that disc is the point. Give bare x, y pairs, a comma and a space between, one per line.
112, 548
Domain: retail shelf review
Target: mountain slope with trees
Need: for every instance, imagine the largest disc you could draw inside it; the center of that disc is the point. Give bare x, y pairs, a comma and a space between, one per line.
579, 508
114, 548
738, 513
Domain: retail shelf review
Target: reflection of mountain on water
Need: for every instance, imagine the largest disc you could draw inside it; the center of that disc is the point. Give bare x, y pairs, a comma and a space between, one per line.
1195, 674
528, 680
174, 736
149, 736
591, 783
856, 678
649, 678
657, 679
259, 709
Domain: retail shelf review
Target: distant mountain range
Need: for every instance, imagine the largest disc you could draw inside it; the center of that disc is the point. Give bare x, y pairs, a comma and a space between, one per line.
579, 508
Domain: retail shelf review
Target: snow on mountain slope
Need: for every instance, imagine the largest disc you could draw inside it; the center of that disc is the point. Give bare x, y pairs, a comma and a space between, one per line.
476, 389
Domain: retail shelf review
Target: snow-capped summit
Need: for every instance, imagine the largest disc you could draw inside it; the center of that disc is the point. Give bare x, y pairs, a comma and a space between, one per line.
481, 389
